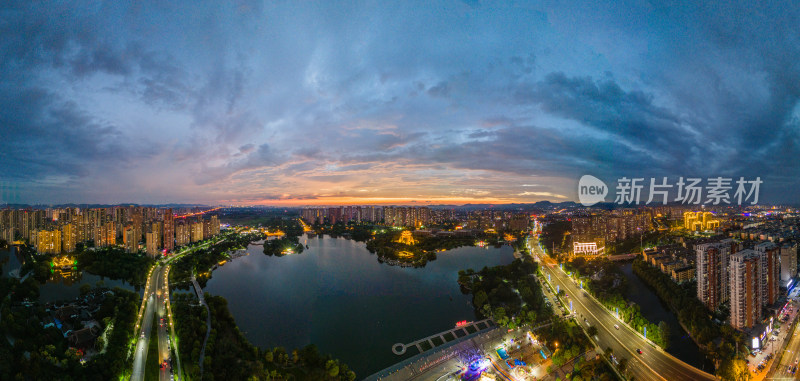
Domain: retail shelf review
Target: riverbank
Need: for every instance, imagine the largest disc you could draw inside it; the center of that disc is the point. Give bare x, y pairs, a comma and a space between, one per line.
720, 339
229, 346
682, 345
605, 281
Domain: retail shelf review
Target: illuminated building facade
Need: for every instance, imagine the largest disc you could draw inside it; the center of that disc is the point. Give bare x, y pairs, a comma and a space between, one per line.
197, 231
183, 235
151, 244
68, 237
48, 241
700, 221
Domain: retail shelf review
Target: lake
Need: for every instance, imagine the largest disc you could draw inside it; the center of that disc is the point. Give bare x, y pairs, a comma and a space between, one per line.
338, 296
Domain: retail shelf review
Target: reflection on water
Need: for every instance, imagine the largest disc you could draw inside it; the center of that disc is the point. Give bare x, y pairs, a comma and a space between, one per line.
338, 296
64, 269
10, 260
65, 279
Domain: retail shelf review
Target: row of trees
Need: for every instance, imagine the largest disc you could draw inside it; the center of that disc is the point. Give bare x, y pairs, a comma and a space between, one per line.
555, 235
360, 232
604, 280
718, 340
229, 356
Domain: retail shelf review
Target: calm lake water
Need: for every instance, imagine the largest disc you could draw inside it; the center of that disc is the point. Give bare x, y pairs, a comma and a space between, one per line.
61, 288
680, 344
338, 296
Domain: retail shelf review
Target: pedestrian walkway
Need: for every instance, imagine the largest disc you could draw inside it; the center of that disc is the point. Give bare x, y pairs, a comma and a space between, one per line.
199, 292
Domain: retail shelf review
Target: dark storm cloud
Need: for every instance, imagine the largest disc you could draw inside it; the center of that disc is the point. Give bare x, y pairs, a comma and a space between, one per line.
207, 95
44, 135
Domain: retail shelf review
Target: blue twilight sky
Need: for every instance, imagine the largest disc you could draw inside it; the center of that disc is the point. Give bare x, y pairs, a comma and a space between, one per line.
391, 102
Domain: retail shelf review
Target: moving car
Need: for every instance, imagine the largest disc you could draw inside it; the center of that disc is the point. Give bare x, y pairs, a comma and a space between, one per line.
639, 351
616, 326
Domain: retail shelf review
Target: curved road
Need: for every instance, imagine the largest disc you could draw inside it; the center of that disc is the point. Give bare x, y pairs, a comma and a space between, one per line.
652, 364
156, 301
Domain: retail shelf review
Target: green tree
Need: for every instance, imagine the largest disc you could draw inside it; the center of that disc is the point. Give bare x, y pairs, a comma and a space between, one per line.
332, 368
480, 299
664, 331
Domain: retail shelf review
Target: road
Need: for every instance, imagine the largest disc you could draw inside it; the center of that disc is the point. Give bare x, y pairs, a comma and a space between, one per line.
790, 357
156, 301
157, 297
652, 364
140, 354
162, 295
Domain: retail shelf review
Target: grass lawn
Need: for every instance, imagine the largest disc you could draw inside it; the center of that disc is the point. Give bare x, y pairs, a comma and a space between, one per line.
151, 369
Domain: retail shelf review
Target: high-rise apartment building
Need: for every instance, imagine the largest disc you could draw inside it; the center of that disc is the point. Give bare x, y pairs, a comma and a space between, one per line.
130, 240
48, 241
769, 255
788, 261
68, 237
151, 244
169, 230
183, 234
746, 289
754, 276
197, 231
157, 228
712, 271
214, 225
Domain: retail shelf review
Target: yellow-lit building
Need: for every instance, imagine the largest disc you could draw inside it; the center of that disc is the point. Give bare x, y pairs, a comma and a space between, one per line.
406, 237
151, 243
698, 221
49, 241
68, 237
197, 232
183, 234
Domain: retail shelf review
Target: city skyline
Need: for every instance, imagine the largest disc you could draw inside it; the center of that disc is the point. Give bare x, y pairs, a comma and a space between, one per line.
452, 103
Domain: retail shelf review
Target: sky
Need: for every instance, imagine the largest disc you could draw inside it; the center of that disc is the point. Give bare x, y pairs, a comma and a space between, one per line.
320, 102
